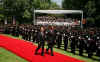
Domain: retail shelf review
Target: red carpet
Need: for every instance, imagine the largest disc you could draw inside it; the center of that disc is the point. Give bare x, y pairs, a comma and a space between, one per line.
26, 51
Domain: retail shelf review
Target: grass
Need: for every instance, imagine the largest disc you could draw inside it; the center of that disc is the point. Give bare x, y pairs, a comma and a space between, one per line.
6, 56
68, 53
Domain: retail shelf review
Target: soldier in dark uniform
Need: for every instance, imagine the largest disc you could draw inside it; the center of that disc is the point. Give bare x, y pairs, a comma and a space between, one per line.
29, 34
73, 43
41, 41
35, 34
17, 31
91, 45
26, 34
65, 37
23, 32
58, 39
86, 36
51, 40
32, 33
6, 30
12, 30
81, 44
98, 44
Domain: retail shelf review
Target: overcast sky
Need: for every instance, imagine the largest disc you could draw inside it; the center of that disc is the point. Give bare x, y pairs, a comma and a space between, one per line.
59, 2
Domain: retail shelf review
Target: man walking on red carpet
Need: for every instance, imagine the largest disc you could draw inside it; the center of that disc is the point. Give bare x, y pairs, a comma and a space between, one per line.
41, 41
51, 39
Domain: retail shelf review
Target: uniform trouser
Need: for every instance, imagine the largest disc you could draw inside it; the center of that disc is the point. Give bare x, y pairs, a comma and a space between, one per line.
90, 53
34, 38
58, 43
40, 45
50, 46
80, 51
65, 44
26, 37
73, 49
23, 36
17, 34
98, 52
91, 50
29, 37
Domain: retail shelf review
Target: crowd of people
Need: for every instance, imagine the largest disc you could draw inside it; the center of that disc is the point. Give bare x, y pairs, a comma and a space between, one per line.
83, 40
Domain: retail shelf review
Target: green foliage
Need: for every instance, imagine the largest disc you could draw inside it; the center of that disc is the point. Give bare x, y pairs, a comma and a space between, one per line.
23, 9
27, 14
73, 4
91, 20
54, 6
1, 16
90, 8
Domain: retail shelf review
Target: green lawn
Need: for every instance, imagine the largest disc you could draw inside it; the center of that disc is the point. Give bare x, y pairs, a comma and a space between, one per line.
68, 53
6, 56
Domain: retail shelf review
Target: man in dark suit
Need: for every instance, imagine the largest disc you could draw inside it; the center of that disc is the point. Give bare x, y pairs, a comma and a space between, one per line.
51, 39
41, 41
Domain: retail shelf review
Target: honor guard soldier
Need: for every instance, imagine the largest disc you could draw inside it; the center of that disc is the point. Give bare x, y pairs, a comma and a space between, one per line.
98, 45
17, 31
59, 39
32, 34
23, 33
91, 45
73, 43
35, 35
65, 37
26, 33
29, 34
81, 44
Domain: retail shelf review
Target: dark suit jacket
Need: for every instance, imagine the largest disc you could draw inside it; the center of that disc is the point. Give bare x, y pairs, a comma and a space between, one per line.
51, 36
40, 37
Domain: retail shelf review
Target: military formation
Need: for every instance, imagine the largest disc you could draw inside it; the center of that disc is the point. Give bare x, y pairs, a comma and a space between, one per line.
73, 39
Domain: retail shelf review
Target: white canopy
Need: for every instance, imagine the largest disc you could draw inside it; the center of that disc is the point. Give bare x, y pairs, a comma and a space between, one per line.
58, 11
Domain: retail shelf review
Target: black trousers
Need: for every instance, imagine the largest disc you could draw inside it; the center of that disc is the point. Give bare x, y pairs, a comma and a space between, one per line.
50, 46
98, 52
80, 51
65, 44
40, 45
58, 43
73, 48
90, 53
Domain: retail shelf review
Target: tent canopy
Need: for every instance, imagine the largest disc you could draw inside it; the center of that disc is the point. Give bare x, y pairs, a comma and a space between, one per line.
59, 11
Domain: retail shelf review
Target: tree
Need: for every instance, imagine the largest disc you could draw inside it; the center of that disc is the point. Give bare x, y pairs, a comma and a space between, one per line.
73, 4
54, 6
90, 12
23, 9
15, 8
90, 8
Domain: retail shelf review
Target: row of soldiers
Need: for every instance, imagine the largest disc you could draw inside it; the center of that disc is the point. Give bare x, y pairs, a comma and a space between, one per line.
85, 40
